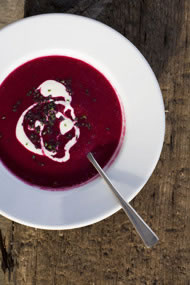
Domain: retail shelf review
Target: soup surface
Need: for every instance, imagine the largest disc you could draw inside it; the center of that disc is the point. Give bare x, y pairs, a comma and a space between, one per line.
53, 111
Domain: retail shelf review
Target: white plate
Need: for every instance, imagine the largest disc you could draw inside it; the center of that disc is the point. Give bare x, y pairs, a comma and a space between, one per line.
138, 89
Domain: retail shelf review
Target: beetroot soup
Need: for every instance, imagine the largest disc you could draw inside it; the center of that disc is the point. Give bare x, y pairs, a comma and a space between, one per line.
53, 111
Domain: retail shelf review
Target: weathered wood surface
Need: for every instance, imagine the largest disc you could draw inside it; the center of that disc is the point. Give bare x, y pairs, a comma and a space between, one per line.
109, 252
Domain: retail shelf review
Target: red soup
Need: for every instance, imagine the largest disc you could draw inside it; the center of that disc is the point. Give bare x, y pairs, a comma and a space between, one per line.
53, 111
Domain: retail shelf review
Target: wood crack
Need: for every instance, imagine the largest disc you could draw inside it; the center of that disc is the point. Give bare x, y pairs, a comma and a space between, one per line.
7, 259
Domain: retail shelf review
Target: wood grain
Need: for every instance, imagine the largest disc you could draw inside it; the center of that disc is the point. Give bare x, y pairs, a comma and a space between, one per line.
10, 11
109, 252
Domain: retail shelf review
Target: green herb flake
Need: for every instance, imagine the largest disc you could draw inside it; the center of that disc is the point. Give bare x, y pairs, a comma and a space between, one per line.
29, 93
84, 117
88, 125
107, 129
26, 143
49, 130
61, 118
33, 157
65, 125
38, 129
50, 147
69, 136
49, 90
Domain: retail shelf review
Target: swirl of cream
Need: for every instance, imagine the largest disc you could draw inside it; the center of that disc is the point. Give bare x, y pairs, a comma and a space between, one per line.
57, 90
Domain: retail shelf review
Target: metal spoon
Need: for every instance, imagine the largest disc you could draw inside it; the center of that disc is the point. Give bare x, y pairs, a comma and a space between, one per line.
144, 231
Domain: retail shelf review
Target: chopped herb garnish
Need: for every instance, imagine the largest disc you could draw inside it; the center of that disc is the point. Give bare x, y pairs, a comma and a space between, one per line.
38, 129
49, 130
49, 90
88, 125
46, 144
65, 125
107, 129
43, 120
51, 105
29, 93
84, 117
14, 110
33, 157
18, 102
26, 143
68, 100
69, 136
86, 91
50, 147
68, 81
52, 118
45, 111
61, 119
3, 117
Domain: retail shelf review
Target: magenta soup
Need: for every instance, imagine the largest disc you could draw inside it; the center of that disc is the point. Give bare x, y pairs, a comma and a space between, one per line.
53, 111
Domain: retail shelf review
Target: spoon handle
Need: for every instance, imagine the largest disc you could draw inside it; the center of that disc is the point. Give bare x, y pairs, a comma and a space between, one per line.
144, 231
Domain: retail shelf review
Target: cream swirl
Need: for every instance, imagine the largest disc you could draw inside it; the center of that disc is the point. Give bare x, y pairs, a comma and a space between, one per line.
57, 90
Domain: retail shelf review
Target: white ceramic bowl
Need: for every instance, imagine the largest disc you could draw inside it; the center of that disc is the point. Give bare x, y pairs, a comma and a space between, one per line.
139, 92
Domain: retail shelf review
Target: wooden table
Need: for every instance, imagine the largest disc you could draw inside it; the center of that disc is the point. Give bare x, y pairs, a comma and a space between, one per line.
110, 252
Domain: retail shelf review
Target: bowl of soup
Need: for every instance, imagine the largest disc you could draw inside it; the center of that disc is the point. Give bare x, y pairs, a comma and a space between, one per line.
70, 85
